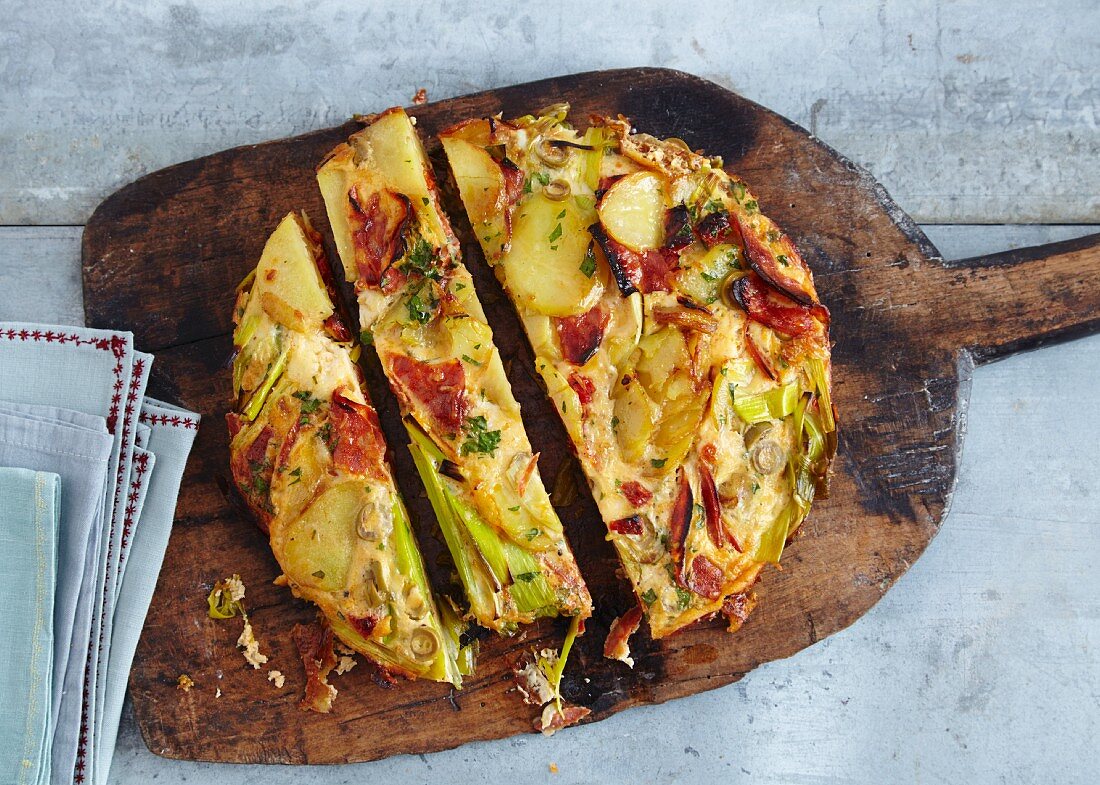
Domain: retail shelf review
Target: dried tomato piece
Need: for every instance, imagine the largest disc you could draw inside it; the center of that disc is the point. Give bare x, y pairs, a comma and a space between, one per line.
769, 309
716, 228
636, 493
680, 524
357, 435
705, 578
580, 336
377, 231
631, 525
440, 387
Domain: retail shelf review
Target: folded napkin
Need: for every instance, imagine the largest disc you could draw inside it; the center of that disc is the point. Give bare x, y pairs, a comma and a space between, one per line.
73, 400
29, 512
173, 431
77, 447
88, 371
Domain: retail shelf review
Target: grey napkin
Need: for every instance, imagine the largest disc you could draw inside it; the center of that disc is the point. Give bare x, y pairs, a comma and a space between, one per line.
173, 432
90, 371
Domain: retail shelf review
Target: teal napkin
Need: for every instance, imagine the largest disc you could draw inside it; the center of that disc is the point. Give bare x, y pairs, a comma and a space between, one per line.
30, 507
77, 447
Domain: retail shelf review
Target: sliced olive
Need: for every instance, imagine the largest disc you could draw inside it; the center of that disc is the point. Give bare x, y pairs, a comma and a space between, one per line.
753, 434
424, 643
414, 602
556, 190
767, 456
367, 528
551, 154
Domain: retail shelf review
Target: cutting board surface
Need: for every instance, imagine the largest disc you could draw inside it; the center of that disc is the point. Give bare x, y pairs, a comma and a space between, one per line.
162, 257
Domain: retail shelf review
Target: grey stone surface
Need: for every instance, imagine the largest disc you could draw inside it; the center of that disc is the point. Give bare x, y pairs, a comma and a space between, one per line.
980, 666
975, 112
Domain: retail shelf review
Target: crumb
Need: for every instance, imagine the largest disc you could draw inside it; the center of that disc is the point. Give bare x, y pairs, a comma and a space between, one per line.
184, 683
218, 692
277, 677
251, 646
344, 664
421, 97
235, 587
553, 768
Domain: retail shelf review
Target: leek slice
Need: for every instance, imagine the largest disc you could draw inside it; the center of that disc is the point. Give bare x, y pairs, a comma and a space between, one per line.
274, 371
529, 587
484, 536
774, 404
596, 137
816, 369
559, 666
479, 591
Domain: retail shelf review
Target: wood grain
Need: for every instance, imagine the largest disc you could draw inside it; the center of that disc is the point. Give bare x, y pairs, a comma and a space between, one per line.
903, 323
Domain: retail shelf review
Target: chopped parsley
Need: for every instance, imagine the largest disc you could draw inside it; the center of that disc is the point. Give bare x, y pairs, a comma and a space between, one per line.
470, 360
309, 403
751, 206
712, 206
554, 235
584, 202
614, 423
683, 597
542, 177
421, 259
649, 596
479, 438
420, 311
297, 475
531, 534
324, 433
658, 463
527, 577
783, 260
366, 337
588, 264
425, 200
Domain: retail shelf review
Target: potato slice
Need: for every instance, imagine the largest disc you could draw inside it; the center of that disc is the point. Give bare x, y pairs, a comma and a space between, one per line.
482, 188
480, 180
288, 284
633, 211
471, 339
319, 544
636, 414
542, 268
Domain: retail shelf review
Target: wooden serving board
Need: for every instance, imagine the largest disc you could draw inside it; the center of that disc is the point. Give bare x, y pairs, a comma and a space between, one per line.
162, 256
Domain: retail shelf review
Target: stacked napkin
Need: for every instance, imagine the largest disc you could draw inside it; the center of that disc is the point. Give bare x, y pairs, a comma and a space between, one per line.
89, 473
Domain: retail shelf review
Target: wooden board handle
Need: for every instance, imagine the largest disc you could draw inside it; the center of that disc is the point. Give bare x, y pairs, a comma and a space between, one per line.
1010, 302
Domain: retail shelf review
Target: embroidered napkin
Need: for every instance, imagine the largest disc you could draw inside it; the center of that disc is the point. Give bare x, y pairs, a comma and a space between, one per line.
89, 371
77, 447
172, 433
29, 511
72, 401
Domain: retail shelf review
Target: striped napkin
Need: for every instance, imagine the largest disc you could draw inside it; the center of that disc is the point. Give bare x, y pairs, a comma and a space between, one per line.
72, 403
